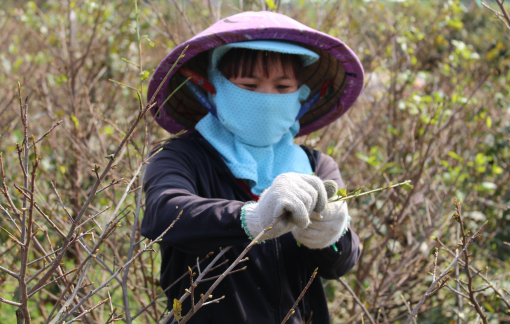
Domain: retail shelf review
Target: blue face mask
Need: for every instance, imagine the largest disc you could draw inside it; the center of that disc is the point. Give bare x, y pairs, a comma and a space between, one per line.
257, 119
254, 132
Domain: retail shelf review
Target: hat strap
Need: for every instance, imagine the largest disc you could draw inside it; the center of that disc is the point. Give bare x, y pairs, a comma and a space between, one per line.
201, 97
198, 80
325, 91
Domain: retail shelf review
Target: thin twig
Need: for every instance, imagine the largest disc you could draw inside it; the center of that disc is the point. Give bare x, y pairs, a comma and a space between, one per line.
88, 311
471, 292
346, 285
443, 274
93, 292
50, 282
3, 300
9, 272
292, 310
170, 286
46, 134
10, 218
407, 306
407, 182
225, 273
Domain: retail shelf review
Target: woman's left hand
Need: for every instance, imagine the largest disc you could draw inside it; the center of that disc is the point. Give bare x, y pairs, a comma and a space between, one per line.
324, 228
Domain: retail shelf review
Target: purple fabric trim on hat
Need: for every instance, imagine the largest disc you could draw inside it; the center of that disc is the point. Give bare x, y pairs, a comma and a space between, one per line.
261, 25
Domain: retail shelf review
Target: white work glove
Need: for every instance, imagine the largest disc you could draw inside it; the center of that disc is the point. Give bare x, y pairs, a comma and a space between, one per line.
325, 228
298, 194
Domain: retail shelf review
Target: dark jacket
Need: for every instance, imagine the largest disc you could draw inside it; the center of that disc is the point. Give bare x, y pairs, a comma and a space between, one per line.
189, 175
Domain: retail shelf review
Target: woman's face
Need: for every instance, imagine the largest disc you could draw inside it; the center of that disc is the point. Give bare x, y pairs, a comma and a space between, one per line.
278, 81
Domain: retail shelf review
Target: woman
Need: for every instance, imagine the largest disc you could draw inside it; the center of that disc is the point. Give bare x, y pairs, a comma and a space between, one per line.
257, 81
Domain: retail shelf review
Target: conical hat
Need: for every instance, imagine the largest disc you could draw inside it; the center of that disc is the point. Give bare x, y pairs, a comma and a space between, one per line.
337, 63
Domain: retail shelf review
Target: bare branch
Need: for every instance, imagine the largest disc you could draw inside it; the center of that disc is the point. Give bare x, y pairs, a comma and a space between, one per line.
442, 275
346, 285
9, 272
292, 310
3, 300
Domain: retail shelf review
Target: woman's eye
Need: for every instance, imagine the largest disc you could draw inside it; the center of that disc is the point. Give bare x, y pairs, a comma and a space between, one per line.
250, 86
282, 87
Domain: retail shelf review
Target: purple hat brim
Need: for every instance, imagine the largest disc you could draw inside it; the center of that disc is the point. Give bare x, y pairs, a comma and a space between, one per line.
248, 26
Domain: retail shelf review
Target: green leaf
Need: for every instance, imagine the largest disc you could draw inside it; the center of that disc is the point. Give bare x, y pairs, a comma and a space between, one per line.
496, 169
408, 186
144, 75
271, 4
75, 121
488, 121
489, 307
455, 156
480, 159
362, 157
108, 130
455, 23
392, 130
342, 192
177, 307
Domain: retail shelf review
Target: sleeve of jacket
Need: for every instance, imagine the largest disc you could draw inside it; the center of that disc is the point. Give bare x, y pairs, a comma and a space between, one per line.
171, 187
333, 264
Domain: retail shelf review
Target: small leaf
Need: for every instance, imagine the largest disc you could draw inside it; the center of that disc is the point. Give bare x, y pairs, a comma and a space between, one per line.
342, 192
455, 156
496, 169
75, 121
144, 75
489, 307
271, 4
298, 243
177, 309
488, 121
357, 193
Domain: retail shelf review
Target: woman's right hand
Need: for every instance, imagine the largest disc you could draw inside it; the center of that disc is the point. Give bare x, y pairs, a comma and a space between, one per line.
296, 194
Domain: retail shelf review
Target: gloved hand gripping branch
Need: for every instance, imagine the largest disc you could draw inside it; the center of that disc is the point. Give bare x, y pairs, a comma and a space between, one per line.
312, 221
297, 194
325, 228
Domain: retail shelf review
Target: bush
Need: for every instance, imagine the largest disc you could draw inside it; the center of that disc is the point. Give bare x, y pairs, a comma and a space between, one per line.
435, 110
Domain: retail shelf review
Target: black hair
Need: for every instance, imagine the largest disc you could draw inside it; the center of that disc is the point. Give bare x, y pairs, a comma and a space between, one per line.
243, 61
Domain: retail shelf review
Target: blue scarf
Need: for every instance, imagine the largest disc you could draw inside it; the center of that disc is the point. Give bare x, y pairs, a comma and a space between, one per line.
254, 132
